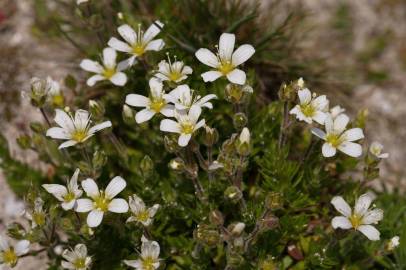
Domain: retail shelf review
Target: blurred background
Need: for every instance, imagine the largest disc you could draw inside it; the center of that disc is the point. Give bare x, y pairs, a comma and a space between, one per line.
356, 51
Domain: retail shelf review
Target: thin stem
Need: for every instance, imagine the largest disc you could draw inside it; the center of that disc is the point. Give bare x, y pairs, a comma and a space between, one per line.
45, 116
284, 123
254, 234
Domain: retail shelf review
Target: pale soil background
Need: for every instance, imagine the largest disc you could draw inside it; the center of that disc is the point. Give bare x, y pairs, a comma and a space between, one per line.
343, 30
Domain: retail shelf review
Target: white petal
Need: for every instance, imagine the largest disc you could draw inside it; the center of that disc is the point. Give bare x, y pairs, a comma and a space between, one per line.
340, 123
109, 57
353, 134
329, 123
150, 249
362, 204
320, 103
91, 66
341, 206
64, 120
211, 76
81, 119
81, 250
3, 243
68, 205
118, 45
67, 144
22, 247
90, 187
155, 45
194, 113
184, 139
187, 70
207, 57
351, 149
341, 222
127, 33
84, 205
116, 185
372, 216
100, 126
168, 110
200, 124
137, 100
152, 210
305, 96
328, 150
123, 65
94, 218
319, 117
58, 191
152, 31
226, 46
369, 231
144, 115
169, 125
237, 76
118, 206
94, 79
58, 133
242, 54
134, 263
119, 79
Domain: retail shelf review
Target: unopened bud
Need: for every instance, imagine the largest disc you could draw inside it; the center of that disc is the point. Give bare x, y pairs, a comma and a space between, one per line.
16, 230
171, 144
269, 222
207, 235
146, 166
273, 201
235, 260
243, 143
234, 93
39, 91
99, 159
128, 114
216, 217
177, 164
233, 193
37, 127
240, 120
392, 243
96, 109
211, 136
288, 92
236, 229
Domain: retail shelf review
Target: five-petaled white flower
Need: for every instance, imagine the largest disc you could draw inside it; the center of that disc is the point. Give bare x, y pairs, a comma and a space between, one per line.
376, 150
108, 71
336, 111
149, 257
226, 60
337, 137
74, 129
186, 124
360, 219
310, 107
173, 72
9, 254
184, 98
67, 195
155, 103
101, 201
37, 216
77, 258
137, 43
139, 212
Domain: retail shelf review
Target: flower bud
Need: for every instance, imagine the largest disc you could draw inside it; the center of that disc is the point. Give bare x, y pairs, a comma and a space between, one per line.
236, 229
288, 92
392, 243
240, 120
243, 142
211, 136
235, 260
207, 235
96, 109
177, 164
147, 166
234, 93
128, 115
228, 146
99, 159
216, 217
66, 224
273, 200
16, 230
171, 144
39, 91
37, 127
269, 222
233, 193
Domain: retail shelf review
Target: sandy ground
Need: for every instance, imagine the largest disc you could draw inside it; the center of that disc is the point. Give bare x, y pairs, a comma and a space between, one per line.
339, 41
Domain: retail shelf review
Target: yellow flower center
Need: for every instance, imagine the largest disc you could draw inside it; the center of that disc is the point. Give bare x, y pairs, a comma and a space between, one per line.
101, 203
226, 67
355, 220
109, 72
174, 76
148, 263
138, 49
79, 135
334, 140
10, 257
157, 105
38, 218
58, 100
308, 110
187, 128
80, 263
69, 197
142, 216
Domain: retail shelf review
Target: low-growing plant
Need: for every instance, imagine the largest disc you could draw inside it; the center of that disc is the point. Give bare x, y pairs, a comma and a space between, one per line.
168, 157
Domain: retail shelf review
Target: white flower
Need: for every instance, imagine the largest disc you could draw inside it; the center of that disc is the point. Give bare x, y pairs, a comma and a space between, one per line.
149, 257
336, 111
337, 137
184, 98
376, 150
139, 212
9, 253
37, 216
137, 43
245, 136
185, 125
76, 259
360, 219
108, 71
393, 243
67, 195
74, 130
155, 103
101, 201
226, 60
173, 72
78, 2
310, 107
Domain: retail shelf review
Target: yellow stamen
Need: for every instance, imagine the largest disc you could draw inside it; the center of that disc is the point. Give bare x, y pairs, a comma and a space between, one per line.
148, 263
334, 140
157, 105
187, 127
80, 263
79, 135
69, 197
143, 216
102, 203
38, 218
226, 67
355, 220
109, 72
10, 257
174, 76
138, 49
308, 110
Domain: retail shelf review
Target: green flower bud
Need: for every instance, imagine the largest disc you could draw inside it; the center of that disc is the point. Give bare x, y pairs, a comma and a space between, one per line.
233, 194
269, 222
16, 230
273, 200
177, 164
66, 224
211, 136
37, 127
171, 144
147, 166
243, 143
234, 259
207, 235
99, 159
128, 115
237, 228
234, 93
39, 91
96, 109
240, 120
